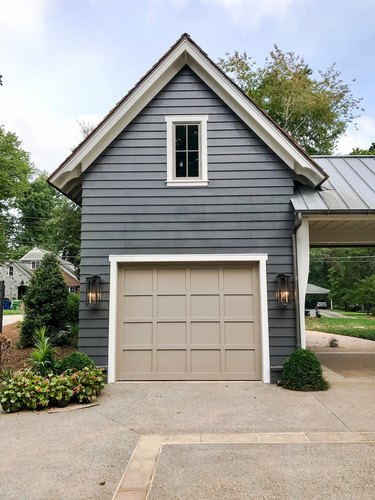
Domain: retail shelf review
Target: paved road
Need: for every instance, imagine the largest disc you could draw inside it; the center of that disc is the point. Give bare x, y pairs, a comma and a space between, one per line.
12, 318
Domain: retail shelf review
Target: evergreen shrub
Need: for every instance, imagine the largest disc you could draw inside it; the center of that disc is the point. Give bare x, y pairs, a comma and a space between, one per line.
302, 371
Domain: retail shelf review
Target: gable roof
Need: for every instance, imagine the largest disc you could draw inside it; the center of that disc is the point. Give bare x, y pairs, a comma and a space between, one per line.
67, 177
349, 189
37, 254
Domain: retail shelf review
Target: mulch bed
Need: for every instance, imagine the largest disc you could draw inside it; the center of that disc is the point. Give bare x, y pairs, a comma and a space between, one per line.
18, 358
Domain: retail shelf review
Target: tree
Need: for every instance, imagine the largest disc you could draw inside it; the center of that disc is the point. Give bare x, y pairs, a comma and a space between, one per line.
63, 230
36, 205
364, 292
15, 169
314, 111
45, 301
369, 151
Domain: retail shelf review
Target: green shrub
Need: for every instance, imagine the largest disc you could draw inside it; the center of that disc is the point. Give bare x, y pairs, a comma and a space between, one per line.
25, 389
87, 384
75, 361
28, 390
72, 308
42, 358
45, 301
302, 371
61, 389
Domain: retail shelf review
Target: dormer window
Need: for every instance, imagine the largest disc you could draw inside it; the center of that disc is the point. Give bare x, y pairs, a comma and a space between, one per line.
35, 264
187, 150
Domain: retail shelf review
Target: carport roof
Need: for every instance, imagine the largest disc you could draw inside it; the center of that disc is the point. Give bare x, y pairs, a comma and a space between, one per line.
315, 289
349, 189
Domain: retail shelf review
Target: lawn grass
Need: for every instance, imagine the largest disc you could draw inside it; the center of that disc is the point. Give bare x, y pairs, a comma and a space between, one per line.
362, 327
10, 312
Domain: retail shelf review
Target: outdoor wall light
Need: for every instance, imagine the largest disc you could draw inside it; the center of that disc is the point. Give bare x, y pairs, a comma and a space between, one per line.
93, 292
283, 290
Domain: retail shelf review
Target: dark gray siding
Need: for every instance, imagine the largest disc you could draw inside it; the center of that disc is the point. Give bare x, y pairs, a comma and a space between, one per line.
127, 208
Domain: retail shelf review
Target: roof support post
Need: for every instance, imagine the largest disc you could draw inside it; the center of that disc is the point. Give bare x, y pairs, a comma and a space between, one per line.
302, 264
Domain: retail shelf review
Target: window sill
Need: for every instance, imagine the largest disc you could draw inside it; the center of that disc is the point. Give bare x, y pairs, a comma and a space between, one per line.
188, 183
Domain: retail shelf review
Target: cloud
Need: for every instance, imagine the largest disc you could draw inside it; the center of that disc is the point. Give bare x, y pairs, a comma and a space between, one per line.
251, 13
22, 19
49, 137
357, 137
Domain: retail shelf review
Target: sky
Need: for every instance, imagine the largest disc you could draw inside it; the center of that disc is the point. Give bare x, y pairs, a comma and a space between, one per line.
64, 61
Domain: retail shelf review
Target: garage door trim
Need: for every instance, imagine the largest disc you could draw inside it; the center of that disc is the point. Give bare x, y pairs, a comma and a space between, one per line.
115, 260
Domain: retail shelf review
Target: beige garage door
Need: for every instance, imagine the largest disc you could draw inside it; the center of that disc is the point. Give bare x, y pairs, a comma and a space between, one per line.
188, 322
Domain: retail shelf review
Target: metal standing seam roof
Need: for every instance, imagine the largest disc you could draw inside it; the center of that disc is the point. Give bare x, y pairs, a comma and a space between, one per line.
350, 187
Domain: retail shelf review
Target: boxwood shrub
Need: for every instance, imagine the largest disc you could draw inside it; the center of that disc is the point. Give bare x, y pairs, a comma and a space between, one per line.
75, 361
302, 371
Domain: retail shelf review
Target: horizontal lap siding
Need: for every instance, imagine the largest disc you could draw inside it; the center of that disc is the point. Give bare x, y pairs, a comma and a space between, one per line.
128, 209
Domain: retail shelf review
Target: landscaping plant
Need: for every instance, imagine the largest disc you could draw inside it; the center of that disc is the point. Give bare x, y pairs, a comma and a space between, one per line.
45, 301
28, 390
75, 361
87, 384
42, 358
302, 371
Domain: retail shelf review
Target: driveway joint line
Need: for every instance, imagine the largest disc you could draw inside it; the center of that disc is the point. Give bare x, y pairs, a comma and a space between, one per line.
130, 429
329, 409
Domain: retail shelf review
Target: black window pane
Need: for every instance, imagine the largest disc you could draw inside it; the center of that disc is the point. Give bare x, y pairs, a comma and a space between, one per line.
193, 135
180, 137
193, 165
181, 164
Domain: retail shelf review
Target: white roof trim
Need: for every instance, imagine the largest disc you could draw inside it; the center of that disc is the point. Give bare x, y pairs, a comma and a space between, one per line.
185, 52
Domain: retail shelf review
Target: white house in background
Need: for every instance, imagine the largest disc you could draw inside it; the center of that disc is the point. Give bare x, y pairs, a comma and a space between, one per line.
17, 274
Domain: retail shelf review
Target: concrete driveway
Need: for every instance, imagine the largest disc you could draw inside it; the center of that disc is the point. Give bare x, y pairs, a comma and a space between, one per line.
196, 441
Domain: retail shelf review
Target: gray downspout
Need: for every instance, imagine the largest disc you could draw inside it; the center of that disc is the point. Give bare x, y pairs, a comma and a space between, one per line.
297, 225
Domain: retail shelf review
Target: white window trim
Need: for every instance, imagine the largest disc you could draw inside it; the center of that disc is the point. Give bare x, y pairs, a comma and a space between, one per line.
203, 165
115, 260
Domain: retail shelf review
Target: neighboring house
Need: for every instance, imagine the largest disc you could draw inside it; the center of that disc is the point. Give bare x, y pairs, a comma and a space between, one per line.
17, 274
189, 194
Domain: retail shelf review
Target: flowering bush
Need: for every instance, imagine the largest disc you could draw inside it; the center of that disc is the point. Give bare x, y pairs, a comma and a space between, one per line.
26, 389
87, 383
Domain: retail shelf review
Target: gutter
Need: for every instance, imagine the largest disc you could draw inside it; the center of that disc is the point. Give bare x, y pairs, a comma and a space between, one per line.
297, 225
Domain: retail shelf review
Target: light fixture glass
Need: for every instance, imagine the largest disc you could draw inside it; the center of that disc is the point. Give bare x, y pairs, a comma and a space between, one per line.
283, 290
93, 292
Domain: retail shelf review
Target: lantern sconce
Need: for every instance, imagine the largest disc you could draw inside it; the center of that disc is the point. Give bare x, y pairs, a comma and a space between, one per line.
93, 292
283, 290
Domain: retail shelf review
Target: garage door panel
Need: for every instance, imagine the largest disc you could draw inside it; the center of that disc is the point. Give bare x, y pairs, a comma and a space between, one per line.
138, 280
138, 306
205, 361
137, 361
239, 332
204, 280
238, 306
205, 332
171, 333
188, 322
171, 306
171, 280
204, 306
239, 361
237, 280
137, 334
171, 360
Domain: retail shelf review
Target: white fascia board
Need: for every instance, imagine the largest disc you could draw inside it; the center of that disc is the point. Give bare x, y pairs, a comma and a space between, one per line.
233, 257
